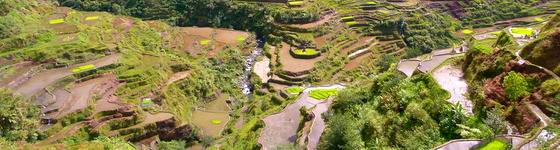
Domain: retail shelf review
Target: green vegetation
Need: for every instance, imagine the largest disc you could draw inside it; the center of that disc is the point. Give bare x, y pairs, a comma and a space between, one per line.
485, 46
379, 109
83, 68
321, 94
56, 21
347, 18
171, 145
90, 18
522, 31
216, 122
351, 23
516, 85
495, 145
296, 3
19, 119
467, 31
372, 115
204, 42
294, 90
481, 13
306, 52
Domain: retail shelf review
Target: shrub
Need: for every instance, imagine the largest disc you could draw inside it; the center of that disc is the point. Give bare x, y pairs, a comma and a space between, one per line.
550, 87
515, 85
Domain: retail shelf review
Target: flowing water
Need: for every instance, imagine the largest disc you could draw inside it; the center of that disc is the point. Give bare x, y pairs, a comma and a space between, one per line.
249, 63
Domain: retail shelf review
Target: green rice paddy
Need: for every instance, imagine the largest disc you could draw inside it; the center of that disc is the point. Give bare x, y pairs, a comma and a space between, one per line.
347, 18
241, 39
204, 42
56, 21
294, 90
92, 18
495, 145
523, 31
83, 68
351, 23
296, 3
467, 31
216, 122
539, 19
306, 52
321, 94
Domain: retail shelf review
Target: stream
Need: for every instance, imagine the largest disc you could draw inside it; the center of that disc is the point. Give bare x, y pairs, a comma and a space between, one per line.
245, 79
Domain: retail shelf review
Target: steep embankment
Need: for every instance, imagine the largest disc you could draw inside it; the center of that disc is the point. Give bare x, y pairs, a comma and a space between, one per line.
546, 50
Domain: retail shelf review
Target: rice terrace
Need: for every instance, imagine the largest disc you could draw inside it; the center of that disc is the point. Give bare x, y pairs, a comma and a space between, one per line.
280, 74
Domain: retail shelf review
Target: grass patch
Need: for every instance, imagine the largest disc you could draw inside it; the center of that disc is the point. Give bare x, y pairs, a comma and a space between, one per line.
204, 42
467, 31
296, 3
294, 90
92, 18
56, 21
83, 68
523, 31
321, 94
351, 23
495, 145
216, 122
306, 52
484, 46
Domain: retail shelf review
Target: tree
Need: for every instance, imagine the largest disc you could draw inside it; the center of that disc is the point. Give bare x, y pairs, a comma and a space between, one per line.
516, 85
19, 117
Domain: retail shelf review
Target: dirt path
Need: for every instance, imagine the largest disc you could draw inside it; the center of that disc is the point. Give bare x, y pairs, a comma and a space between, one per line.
43, 79
281, 128
451, 79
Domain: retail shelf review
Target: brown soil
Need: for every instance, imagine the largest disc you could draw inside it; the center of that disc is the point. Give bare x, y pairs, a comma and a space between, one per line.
362, 41
45, 78
9, 80
229, 36
323, 20
178, 76
64, 28
523, 119
203, 32
292, 64
217, 47
123, 25
82, 93
322, 40
355, 63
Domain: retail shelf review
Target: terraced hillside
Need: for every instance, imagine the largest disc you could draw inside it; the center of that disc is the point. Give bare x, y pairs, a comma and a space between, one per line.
278, 74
